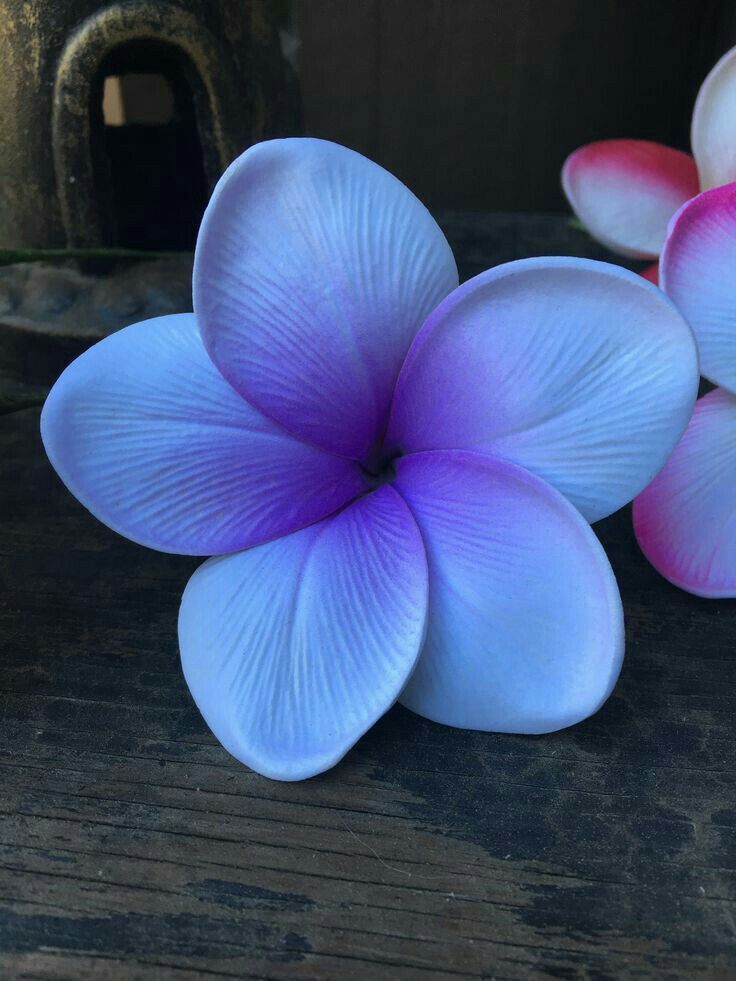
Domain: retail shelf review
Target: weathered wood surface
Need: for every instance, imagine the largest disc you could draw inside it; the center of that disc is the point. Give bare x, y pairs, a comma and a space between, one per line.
133, 846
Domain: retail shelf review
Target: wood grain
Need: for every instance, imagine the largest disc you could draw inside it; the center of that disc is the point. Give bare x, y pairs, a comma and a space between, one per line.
133, 846
476, 103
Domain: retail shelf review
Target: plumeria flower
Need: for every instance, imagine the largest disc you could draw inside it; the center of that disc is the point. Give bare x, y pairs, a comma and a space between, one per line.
395, 474
685, 521
626, 191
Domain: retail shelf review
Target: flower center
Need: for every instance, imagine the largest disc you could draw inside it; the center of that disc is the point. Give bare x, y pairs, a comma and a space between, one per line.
380, 469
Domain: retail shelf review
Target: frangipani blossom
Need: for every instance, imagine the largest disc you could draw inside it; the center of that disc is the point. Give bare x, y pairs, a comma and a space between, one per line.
395, 474
626, 191
685, 521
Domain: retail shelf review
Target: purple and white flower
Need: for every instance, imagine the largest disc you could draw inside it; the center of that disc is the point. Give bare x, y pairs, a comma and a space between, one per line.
395, 474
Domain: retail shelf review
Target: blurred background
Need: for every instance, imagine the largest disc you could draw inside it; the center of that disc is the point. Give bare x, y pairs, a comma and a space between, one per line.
121, 116
117, 118
476, 103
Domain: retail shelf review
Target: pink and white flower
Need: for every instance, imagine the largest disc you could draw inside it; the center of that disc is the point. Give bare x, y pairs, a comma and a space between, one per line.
626, 191
685, 521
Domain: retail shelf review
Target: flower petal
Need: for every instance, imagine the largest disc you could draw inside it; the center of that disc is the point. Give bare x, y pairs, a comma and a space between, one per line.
314, 269
626, 191
651, 273
293, 649
713, 131
148, 435
525, 629
698, 271
685, 521
581, 372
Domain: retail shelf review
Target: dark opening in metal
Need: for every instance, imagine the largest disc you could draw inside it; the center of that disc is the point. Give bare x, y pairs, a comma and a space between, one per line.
147, 154
140, 97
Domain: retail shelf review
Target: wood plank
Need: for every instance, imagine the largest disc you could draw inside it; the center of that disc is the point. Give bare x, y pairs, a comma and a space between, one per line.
476, 103
132, 845
339, 71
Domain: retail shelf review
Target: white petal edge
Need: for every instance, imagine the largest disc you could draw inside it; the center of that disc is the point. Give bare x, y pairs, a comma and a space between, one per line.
314, 269
626, 191
147, 434
698, 272
293, 649
525, 631
685, 521
713, 129
580, 371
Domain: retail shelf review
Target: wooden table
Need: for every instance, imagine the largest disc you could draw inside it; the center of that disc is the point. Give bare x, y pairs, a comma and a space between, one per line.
133, 846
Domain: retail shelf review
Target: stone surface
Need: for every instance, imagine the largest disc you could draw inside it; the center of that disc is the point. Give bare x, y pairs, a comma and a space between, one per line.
50, 313
56, 174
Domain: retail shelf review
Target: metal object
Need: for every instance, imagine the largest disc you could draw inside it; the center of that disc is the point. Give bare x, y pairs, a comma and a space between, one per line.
224, 58
68, 180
